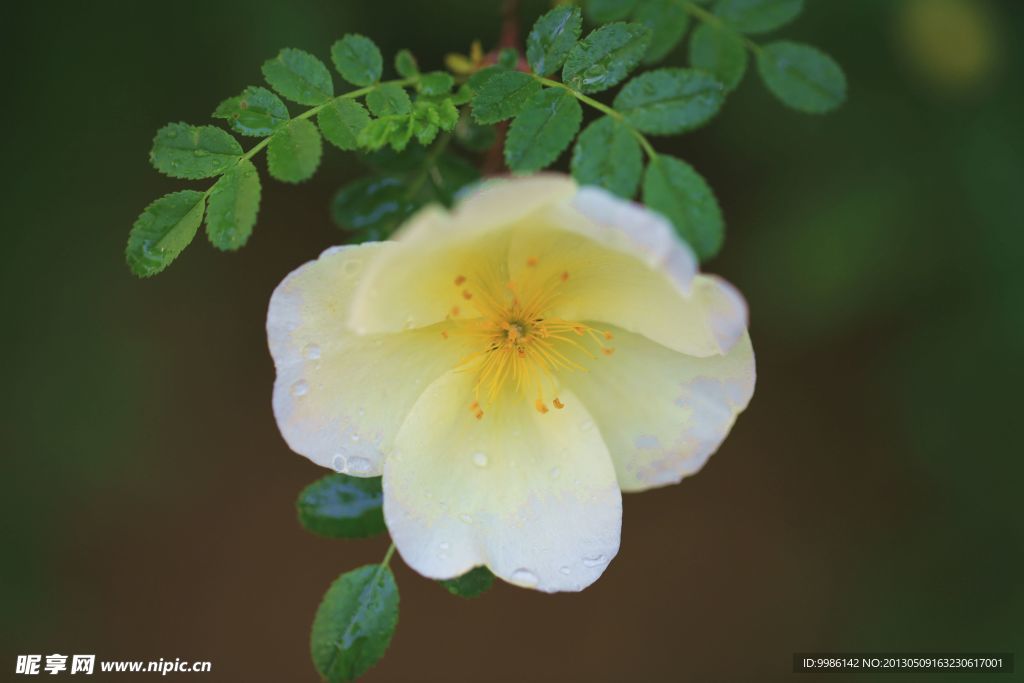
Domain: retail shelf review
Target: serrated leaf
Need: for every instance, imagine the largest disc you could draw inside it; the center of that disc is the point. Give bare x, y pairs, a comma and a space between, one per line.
606, 56
299, 76
503, 95
389, 99
472, 584
354, 623
192, 152
357, 59
551, 39
234, 204
163, 230
667, 20
669, 101
448, 114
294, 152
542, 130
604, 11
758, 16
341, 121
257, 112
802, 77
377, 204
720, 52
340, 506
436, 83
609, 156
673, 188
405, 64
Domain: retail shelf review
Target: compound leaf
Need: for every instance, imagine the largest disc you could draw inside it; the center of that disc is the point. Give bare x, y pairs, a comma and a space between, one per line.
341, 122
669, 101
257, 112
234, 204
551, 39
606, 56
542, 130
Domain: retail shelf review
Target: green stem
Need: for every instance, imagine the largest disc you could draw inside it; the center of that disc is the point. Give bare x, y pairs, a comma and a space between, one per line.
707, 17
604, 109
255, 149
387, 556
428, 164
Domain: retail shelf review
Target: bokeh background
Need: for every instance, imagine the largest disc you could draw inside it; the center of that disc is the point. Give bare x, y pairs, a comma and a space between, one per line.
869, 499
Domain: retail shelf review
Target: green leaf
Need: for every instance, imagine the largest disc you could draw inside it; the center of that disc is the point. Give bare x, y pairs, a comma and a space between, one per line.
388, 99
606, 56
357, 59
234, 203
354, 623
473, 583
503, 95
720, 52
184, 151
163, 230
609, 156
551, 38
669, 101
256, 112
673, 188
758, 16
604, 11
294, 152
405, 64
802, 77
339, 506
667, 20
542, 131
341, 121
375, 205
436, 83
448, 113
299, 77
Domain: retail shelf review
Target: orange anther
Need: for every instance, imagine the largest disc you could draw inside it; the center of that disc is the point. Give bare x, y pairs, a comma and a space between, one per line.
459, 280
479, 414
565, 275
455, 310
532, 261
539, 405
558, 404
609, 336
444, 333
467, 295
607, 351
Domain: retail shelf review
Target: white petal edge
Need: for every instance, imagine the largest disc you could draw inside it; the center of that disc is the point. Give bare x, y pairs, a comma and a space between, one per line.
340, 398
662, 413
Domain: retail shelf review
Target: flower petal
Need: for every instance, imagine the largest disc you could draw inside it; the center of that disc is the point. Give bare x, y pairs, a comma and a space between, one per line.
663, 413
532, 496
414, 284
339, 398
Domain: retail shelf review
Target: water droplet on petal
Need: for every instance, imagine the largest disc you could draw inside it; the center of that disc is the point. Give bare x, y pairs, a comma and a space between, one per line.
359, 465
300, 388
480, 459
355, 438
595, 561
565, 570
586, 425
525, 577
338, 463
311, 352
444, 545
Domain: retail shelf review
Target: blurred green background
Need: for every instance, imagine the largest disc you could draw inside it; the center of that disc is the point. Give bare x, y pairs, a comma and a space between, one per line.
868, 499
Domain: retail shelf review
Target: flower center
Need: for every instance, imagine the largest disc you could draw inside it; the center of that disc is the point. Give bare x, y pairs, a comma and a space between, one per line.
522, 345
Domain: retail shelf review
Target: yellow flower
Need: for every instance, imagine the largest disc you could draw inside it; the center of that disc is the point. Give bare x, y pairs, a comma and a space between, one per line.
465, 65
510, 367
